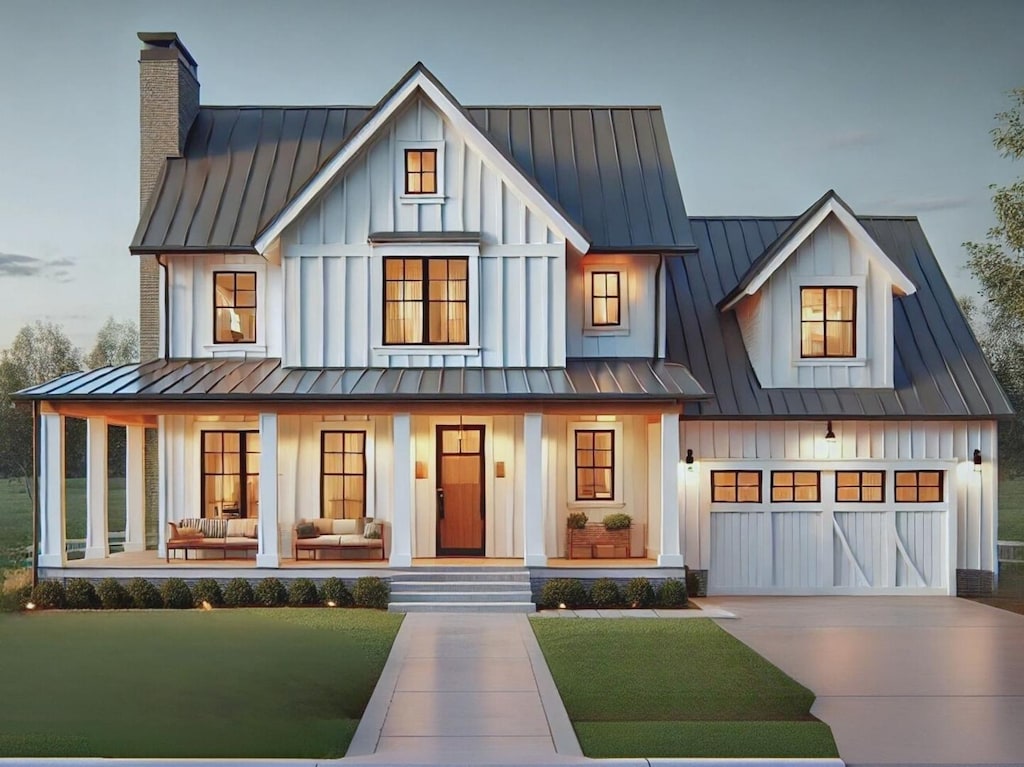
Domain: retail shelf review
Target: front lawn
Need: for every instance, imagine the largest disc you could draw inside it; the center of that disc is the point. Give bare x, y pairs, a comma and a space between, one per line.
676, 688
227, 683
1011, 510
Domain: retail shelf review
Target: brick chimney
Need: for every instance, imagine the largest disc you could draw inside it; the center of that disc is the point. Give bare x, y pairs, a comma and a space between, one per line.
168, 104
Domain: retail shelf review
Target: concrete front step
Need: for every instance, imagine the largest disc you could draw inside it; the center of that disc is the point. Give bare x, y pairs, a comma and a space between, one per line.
444, 576
410, 585
404, 597
461, 607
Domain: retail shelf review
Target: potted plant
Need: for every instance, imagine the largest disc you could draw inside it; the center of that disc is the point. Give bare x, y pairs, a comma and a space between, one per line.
576, 535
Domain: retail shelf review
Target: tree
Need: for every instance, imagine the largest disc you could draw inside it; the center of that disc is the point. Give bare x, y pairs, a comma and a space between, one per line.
117, 343
998, 265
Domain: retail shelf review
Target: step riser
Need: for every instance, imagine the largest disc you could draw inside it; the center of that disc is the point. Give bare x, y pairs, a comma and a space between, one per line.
460, 607
405, 586
449, 577
443, 596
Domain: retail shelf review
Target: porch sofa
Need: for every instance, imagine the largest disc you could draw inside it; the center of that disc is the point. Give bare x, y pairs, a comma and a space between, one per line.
235, 536
340, 535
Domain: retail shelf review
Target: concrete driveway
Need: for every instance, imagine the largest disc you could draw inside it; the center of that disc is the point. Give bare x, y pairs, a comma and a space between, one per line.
901, 680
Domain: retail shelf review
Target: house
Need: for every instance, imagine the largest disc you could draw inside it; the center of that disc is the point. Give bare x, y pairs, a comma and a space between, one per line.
469, 322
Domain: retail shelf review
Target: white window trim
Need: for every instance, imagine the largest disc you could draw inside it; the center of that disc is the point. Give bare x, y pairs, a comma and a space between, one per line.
619, 502
589, 328
471, 252
861, 352
260, 344
199, 425
419, 199
367, 427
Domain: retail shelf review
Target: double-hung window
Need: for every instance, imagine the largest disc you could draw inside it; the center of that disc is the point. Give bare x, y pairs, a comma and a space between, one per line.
426, 300
234, 307
828, 322
595, 465
343, 474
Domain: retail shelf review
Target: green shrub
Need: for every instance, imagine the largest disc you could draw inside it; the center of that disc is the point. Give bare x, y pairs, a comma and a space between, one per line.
672, 593
639, 593
144, 594
238, 593
13, 598
372, 592
605, 593
335, 590
270, 592
568, 592
176, 594
113, 596
49, 595
81, 594
617, 521
207, 590
302, 593
576, 521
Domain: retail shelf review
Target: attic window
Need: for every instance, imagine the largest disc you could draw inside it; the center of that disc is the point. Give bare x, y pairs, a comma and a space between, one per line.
828, 319
234, 307
421, 171
605, 298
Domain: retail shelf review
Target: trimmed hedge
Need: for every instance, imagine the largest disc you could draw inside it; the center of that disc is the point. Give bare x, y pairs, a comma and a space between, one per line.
49, 595
371, 591
563, 591
207, 590
639, 593
335, 590
605, 593
144, 595
672, 593
239, 593
113, 596
270, 592
302, 593
81, 595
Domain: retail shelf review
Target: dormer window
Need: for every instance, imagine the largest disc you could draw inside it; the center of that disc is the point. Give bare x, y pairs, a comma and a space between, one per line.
605, 299
421, 171
828, 322
234, 307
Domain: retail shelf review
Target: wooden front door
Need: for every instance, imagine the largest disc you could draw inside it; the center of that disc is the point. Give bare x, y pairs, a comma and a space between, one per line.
460, 491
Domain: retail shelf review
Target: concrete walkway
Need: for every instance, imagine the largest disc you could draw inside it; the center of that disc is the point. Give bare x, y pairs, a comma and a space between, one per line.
463, 688
901, 680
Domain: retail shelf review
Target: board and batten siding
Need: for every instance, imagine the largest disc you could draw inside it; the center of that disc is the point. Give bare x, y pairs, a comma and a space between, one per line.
807, 548
332, 276
770, 319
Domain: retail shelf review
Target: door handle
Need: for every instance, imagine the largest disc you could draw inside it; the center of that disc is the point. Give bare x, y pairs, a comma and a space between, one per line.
440, 503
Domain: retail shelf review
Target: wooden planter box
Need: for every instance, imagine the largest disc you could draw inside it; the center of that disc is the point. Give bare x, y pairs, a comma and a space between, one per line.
594, 542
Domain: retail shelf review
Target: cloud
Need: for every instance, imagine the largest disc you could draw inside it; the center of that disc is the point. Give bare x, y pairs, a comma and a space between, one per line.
15, 265
920, 204
851, 139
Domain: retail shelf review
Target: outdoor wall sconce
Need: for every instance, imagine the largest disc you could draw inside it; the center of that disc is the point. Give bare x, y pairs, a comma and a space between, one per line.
499, 469
689, 460
421, 469
977, 460
830, 436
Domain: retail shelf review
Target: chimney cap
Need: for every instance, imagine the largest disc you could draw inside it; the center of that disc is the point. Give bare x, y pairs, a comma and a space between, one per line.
167, 40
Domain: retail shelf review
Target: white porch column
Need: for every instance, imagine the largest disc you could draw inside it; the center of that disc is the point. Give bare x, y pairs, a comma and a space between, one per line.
51, 490
670, 555
96, 528
269, 554
135, 489
162, 484
401, 496
533, 497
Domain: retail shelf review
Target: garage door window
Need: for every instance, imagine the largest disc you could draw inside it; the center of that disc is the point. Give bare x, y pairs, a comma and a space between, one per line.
918, 486
860, 486
796, 486
736, 486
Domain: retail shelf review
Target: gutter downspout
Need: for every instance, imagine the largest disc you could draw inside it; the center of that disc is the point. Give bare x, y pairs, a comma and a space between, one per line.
35, 493
657, 304
166, 307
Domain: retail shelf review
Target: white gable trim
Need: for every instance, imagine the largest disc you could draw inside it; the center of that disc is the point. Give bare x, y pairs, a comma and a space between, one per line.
900, 282
470, 132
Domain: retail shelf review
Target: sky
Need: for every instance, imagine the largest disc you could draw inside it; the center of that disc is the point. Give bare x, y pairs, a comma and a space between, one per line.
768, 104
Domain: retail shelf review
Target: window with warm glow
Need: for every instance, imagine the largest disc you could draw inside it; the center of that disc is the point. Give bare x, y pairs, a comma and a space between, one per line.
796, 486
343, 474
736, 486
918, 486
595, 462
426, 301
860, 486
230, 474
421, 171
605, 299
234, 307
828, 322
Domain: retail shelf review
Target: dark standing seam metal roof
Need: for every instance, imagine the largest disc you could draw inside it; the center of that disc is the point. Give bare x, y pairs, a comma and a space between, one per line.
217, 380
939, 369
609, 168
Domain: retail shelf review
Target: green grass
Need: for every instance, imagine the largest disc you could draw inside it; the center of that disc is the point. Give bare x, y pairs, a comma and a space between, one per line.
676, 688
1011, 510
227, 683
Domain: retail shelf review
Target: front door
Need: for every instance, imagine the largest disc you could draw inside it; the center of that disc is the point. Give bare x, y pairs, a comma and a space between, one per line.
460, 491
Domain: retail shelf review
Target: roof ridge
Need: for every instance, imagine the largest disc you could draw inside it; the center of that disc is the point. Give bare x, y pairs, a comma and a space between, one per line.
873, 216
632, 107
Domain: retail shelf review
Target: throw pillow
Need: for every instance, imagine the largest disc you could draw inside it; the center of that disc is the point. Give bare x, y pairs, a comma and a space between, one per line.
190, 532
372, 531
306, 531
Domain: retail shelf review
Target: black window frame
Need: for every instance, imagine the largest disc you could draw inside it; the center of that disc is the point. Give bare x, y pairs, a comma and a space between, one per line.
424, 300
825, 322
736, 484
860, 485
793, 486
617, 296
408, 173
896, 486
593, 466
343, 473
243, 464
235, 306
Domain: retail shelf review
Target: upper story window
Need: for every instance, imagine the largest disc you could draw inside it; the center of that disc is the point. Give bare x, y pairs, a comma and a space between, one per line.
426, 300
421, 171
234, 307
828, 322
605, 299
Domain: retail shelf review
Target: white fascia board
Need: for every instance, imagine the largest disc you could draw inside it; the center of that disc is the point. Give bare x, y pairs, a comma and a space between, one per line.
470, 132
900, 282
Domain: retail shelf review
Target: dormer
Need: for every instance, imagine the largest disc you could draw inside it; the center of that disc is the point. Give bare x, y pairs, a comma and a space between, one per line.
816, 308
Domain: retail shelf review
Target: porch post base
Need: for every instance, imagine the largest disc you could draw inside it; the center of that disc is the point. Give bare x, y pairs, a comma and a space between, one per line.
96, 552
134, 546
268, 560
670, 560
535, 560
400, 560
51, 560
